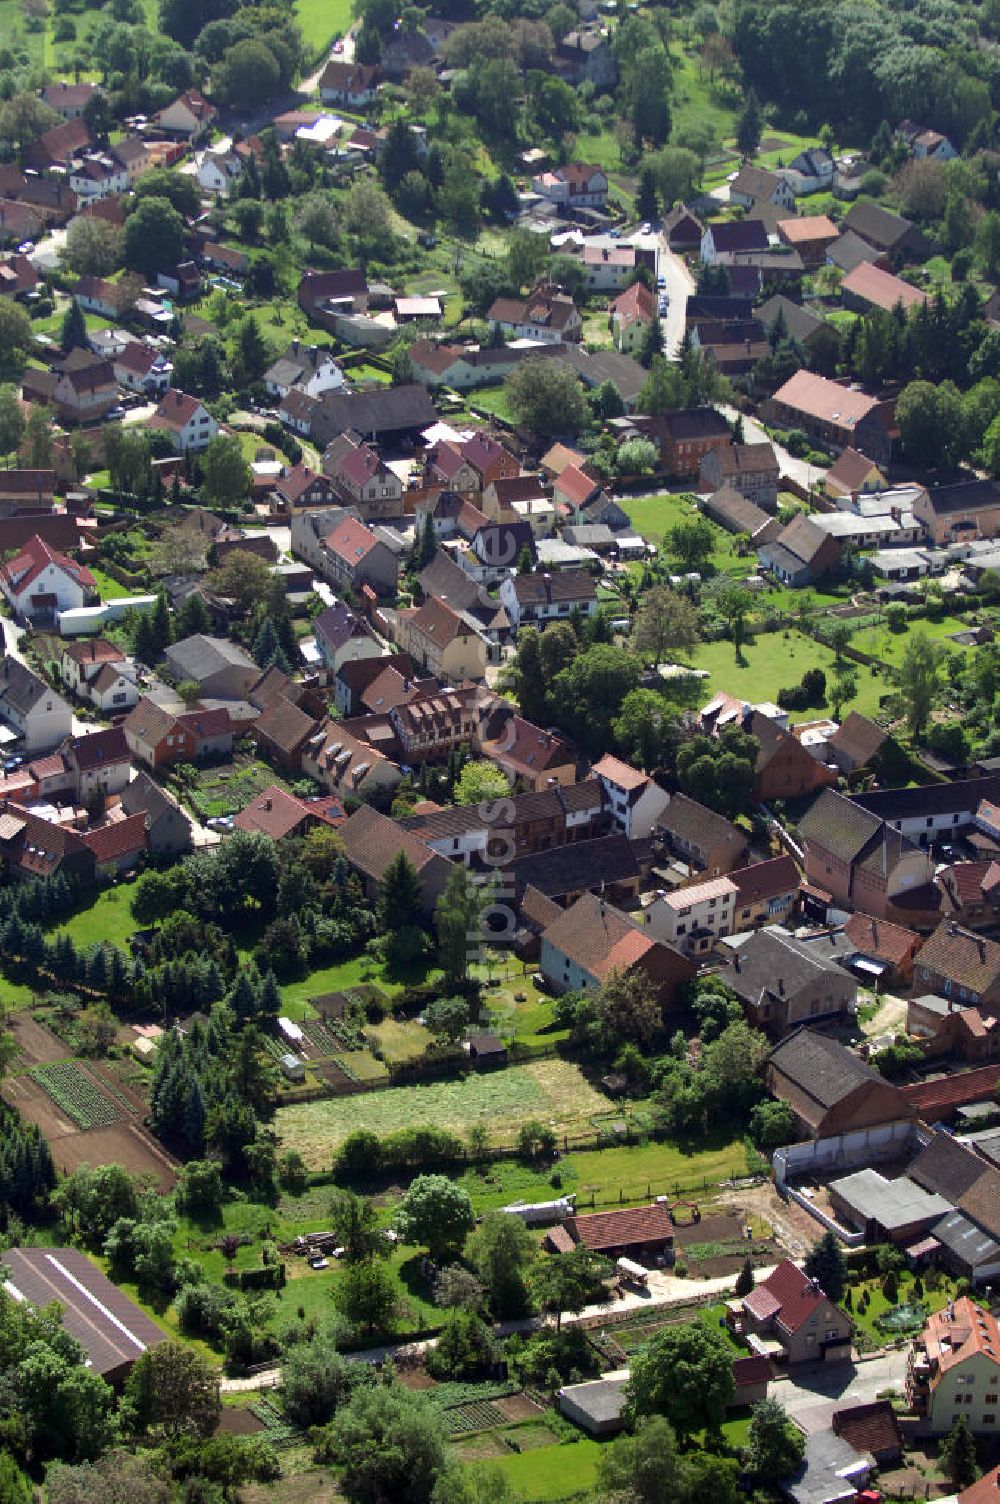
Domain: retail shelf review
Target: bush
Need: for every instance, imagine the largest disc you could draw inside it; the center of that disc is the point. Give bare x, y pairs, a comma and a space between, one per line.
961, 265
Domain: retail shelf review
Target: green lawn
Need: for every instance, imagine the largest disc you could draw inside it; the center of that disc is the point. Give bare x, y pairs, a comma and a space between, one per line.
322, 20
553, 1090
567, 1471
776, 660
108, 918
632, 1173
110, 589
933, 1300
889, 646
695, 101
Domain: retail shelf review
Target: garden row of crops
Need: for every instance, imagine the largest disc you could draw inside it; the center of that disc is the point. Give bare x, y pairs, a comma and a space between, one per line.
76, 1092
320, 1038
477, 1415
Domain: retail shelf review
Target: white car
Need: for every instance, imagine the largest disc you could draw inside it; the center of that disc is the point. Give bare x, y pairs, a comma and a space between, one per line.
646, 228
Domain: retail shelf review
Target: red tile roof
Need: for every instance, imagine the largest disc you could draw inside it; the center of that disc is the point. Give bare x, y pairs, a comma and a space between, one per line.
876, 937
575, 486
620, 1229
117, 839
937, 1098
176, 409
351, 541
621, 774
274, 812
787, 1294
21, 572
869, 1428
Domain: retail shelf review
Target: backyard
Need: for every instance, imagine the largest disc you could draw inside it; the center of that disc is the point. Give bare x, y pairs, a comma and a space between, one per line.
553, 1090
776, 660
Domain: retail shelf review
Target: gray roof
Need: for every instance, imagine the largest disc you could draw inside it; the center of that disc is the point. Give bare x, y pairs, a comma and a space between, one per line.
199, 656
594, 367
20, 686
966, 1240
891, 1203
947, 1168
850, 251
819, 1477
602, 1400
839, 825
773, 961
145, 794
383, 410
825, 1069
697, 824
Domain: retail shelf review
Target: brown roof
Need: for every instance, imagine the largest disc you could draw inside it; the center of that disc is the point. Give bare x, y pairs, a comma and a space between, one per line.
826, 401
859, 737
118, 838
284, 725
598, 937
620, 1229
93, 650
175, 410
748, 1372
869, 1428
537, 909
891, 943
112, 1330
764, 880
967, 959
622, 774
372, 840
274, 812
575, 485
436, 621
881, 289
851, 469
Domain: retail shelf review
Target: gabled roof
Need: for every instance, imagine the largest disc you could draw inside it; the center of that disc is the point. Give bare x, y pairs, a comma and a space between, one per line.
788, 1295
825, 1070
597, 937
880, 227
621, 1229
620, 773
575, 485
966, 959
824, 400
351, 541
118, 838
871, 1428
101, 749
698, 825
839, 825
111, 1328
881, 289
763, 880
199, 656
284, 724
175, 410
891, 943
21, 572
273, 812
372, 841
144, 795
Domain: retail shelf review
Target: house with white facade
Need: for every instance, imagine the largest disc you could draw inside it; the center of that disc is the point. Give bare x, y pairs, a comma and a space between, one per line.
577, 185
189, 115
219, 171
694, 918
142, 368
38, 582
310, 369
548, 597
636, 802
39, 718
187, 420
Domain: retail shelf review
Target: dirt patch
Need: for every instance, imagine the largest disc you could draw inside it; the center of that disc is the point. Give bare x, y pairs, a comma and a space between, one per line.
37, 1044
236, 1421
518, 1407
126, 1144
300, 1488
726, 1227
795, 1231
774, 143
415, 1378
530, 1438
715, 1268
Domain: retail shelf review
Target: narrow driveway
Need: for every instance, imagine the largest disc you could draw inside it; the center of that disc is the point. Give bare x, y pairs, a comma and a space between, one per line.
811, 1399
680, 286
800, 471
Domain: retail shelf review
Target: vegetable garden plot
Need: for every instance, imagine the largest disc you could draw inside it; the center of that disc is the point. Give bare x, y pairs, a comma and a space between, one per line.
74, 1090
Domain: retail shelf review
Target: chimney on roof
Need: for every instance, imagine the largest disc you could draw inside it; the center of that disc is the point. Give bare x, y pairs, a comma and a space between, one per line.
781, 986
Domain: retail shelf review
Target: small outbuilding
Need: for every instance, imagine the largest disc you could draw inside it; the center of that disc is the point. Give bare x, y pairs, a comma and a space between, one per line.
596, 1406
